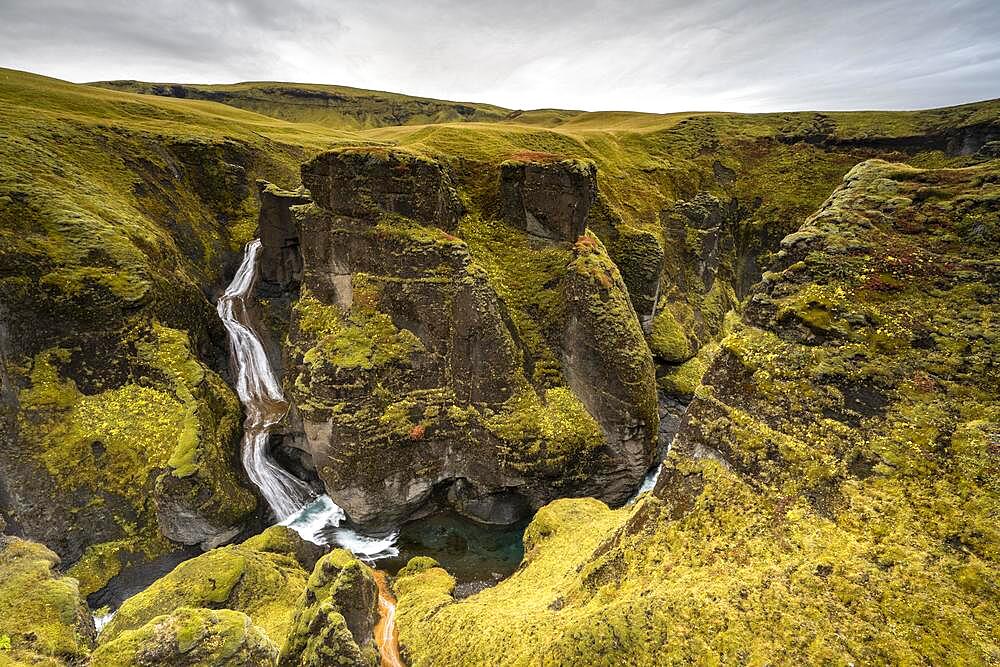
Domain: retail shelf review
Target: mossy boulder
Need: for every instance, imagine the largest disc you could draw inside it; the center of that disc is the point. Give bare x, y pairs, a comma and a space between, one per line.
365, 181
262, 578
190, 637
336, 617
549, 199
43, 616
830, 496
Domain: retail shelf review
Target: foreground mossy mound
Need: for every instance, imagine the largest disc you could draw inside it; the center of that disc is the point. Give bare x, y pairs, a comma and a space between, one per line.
43, 618
832, 494
190, 638
262, 578
336, 616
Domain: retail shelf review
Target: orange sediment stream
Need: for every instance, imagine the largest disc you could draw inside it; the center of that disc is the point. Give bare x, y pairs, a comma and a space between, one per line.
386, 637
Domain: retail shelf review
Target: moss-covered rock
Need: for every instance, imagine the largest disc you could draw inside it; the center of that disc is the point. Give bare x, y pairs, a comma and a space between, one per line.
461, 360
156, 453
262, 578
43, 617
336, 617
830, 495
190, 637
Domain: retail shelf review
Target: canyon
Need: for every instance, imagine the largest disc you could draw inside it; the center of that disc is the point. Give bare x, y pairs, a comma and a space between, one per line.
683, 388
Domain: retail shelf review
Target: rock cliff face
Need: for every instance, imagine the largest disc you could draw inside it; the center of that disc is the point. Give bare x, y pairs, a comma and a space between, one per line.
414, 384
831, 494
550, 200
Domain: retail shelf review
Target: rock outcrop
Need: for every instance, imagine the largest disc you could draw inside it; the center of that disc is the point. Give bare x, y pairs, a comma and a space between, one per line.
336, 617
831, 494
548, 199
281, 259
365, 182
416, 382
262, 578
43, 617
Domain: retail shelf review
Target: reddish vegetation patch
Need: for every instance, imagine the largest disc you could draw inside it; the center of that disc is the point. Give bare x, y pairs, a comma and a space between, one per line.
585, 244
417, 432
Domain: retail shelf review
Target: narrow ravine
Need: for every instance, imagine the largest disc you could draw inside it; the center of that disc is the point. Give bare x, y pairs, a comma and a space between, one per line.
316, 518
386, 636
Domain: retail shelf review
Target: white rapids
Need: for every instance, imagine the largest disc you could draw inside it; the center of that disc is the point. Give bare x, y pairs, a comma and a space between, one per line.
316, 518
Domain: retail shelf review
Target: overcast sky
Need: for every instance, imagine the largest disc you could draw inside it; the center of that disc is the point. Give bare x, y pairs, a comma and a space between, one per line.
672, 55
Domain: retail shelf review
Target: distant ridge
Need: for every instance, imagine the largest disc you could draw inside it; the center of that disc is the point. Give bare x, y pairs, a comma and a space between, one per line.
337, 106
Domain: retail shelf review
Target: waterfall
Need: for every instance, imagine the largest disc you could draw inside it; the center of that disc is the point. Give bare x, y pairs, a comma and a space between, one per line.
316, 518
259, 392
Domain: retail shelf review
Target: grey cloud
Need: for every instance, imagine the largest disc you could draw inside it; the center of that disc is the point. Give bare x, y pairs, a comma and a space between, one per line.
592, 54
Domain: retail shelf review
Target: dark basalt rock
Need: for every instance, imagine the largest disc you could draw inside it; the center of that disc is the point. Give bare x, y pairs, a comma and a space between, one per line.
365, 182
280, 261
550, 200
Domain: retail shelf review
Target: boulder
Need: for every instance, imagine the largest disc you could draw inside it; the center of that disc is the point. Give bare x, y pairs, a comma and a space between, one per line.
263, 578
42, 614
336, 617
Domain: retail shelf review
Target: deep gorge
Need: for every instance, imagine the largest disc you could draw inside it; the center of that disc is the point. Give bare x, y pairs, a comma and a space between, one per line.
466, 347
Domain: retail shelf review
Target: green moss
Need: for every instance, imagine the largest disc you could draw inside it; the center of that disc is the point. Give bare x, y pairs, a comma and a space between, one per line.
668, 340
190, 636
42, 614
682, 380
264, 585
362, 339
557, 436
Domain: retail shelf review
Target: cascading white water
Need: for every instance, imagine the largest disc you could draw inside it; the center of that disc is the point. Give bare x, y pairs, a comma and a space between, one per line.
260, 393
316, 518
